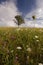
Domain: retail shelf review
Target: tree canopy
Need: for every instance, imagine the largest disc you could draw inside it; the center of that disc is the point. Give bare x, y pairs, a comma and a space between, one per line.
19, 19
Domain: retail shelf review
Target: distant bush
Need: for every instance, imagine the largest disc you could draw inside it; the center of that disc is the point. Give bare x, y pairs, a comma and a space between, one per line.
21, 46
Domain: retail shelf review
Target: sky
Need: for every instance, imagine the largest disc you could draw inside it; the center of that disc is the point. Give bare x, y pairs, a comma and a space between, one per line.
26, 8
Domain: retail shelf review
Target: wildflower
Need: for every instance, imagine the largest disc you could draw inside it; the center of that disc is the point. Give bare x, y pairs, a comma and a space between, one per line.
37, 40
19, 47
40, 64
27, 57
17, 57
29, 49
36, 36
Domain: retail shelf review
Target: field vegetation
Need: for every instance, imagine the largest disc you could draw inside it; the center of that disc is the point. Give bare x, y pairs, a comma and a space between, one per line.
21, 46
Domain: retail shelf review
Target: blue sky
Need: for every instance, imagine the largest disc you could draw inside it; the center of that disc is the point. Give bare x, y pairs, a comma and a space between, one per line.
26, 8
2, 1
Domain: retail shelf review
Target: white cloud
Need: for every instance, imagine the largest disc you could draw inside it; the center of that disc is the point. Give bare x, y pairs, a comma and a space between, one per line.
38, 12
8, 10
39, 3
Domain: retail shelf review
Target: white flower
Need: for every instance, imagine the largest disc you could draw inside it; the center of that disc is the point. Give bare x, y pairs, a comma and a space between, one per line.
40, 64
29, 49
27, 57
37, 40
36, 36
19, 47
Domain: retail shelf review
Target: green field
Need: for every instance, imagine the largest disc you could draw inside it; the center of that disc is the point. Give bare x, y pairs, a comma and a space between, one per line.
21, 46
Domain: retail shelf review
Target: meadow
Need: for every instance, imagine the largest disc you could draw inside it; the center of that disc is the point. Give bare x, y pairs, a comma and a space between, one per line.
21, 46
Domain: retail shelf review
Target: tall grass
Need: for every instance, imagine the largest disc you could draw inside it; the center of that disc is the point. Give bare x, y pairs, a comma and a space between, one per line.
21, 46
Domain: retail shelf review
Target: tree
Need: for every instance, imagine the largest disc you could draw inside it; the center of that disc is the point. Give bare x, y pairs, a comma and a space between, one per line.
19, 19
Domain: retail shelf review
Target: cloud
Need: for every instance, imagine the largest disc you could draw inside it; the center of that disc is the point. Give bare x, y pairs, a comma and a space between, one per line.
38, 12
39, 3
8, 10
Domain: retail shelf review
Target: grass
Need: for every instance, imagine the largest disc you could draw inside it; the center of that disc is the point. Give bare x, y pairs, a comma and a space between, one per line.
21, 46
